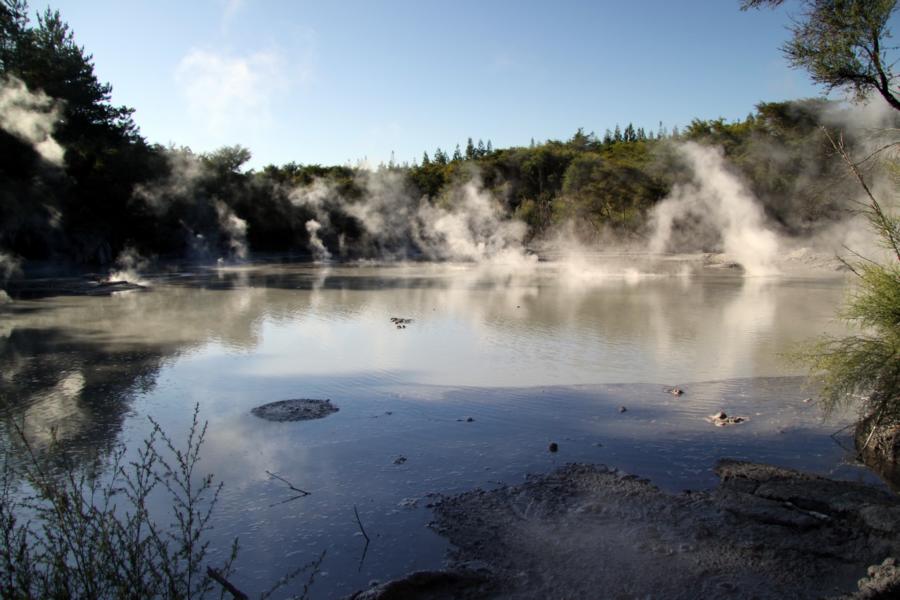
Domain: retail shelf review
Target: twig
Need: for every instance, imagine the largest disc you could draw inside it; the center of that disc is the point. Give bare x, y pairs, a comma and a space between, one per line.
229, 587
875, 424
844, 428
881, 220
289, 484
300, 493
358, 522
312, 566
362, 529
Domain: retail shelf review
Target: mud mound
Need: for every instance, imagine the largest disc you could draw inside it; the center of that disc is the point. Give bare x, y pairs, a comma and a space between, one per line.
589, 531
302, 409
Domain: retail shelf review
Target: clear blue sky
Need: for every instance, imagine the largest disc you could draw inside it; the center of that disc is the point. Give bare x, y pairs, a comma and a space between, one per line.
331, 82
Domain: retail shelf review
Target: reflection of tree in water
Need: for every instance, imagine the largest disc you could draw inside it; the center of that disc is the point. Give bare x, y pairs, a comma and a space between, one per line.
70, 366
54, 385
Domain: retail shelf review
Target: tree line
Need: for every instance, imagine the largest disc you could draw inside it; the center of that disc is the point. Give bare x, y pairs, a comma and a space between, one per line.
114, 190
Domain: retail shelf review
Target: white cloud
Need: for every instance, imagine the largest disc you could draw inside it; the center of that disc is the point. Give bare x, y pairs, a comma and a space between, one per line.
229, 94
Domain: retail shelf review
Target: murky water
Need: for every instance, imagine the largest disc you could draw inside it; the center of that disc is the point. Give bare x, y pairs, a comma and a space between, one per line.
547, 353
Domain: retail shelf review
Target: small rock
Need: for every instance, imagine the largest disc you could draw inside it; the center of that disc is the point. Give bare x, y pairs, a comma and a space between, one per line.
554, 447
622, 409
399, 460
720, 419
675, 391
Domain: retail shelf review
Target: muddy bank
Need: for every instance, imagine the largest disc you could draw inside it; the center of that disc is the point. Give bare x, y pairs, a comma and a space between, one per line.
587, 530
880, 449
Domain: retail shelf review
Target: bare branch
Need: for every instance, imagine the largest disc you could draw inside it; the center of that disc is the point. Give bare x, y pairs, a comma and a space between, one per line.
227, 585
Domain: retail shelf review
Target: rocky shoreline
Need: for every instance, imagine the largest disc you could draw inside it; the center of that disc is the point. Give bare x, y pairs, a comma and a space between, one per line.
584, 530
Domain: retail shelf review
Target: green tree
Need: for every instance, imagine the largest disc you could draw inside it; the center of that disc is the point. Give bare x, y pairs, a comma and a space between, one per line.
457, 154
470, 149
843, 44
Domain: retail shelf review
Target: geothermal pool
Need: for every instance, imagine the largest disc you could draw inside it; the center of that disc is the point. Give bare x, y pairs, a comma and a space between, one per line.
497, 363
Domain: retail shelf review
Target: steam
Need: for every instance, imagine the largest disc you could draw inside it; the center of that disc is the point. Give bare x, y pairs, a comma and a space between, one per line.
318, 249
475, 230
31, 117
129, 264
10, 266
210, 224
184, 173
465, 224
714, 208
235, 228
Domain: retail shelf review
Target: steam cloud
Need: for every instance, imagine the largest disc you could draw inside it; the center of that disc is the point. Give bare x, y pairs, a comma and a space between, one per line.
31, 117
466, 224
183, 187
129, 264
715, 208
9, 266
236, 229
318, 249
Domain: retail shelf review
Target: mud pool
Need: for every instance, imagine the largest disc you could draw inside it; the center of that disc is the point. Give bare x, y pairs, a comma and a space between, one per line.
496, 364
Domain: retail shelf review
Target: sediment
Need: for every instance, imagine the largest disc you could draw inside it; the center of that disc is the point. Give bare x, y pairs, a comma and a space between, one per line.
591, 531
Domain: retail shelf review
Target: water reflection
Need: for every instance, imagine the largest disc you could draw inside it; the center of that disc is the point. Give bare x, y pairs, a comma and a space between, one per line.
505, 347
70, 363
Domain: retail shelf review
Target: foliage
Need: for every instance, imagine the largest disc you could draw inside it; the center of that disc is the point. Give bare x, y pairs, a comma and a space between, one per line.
77, 533
843, 44
866, 365
115, 192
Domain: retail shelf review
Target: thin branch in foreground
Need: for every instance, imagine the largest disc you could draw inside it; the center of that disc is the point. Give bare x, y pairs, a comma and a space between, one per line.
879, 217
227, 585
314, 568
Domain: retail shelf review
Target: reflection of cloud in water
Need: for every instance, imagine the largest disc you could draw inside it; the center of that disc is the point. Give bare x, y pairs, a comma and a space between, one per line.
474, 325
56, 413
235, 337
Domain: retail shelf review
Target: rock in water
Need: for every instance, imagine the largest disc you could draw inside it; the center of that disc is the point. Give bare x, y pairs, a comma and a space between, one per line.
303, 409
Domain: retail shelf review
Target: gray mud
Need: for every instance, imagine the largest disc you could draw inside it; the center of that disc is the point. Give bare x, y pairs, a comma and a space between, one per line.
587, 531
303, 409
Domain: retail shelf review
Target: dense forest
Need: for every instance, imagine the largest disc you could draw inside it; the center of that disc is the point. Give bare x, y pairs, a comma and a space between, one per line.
80, 184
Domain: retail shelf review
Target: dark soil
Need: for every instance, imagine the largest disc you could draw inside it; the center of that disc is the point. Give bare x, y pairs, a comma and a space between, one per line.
588, 531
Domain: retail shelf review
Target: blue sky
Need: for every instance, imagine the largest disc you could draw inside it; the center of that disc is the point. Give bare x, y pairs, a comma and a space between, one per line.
332, 82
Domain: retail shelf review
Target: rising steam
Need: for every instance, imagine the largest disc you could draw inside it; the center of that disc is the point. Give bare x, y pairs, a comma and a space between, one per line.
316, 246
714, 209
9, 267
31, 117
465, 224
235, 228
